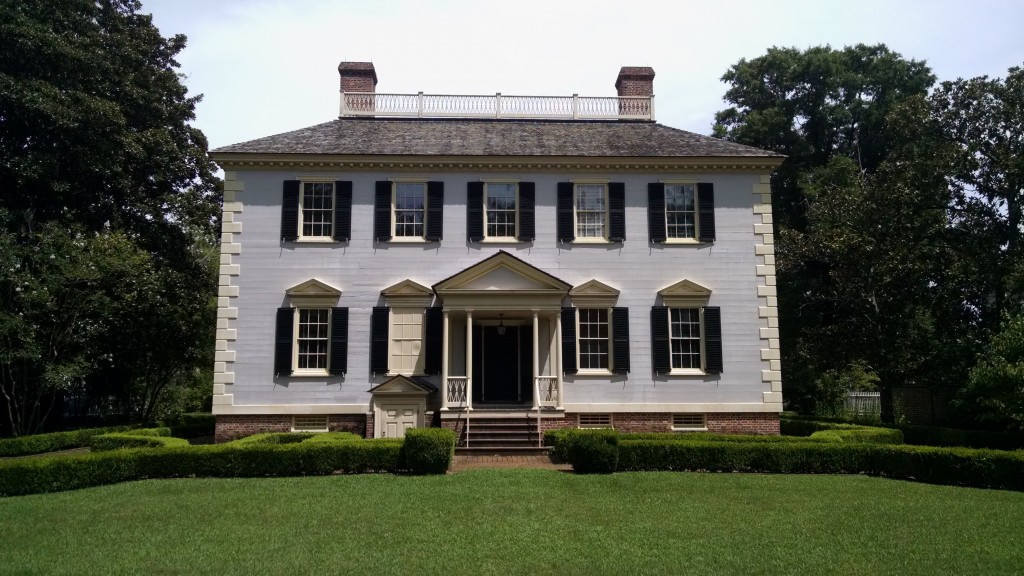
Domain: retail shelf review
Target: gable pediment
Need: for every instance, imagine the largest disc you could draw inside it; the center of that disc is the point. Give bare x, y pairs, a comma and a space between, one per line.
407, 293
685, 293
403, 386
595, 294
313, 292
502, 272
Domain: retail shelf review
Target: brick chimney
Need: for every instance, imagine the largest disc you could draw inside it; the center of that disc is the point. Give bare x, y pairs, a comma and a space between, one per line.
358, 76
635, 81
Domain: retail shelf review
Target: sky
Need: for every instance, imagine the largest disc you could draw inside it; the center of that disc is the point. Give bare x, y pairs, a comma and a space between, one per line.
269, 66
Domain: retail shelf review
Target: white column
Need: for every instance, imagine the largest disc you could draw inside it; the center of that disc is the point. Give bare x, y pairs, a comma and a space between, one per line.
536, 361
444, 362
469, 360
558, 358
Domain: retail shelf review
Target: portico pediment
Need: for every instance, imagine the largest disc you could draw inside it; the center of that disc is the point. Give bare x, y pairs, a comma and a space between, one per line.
518, 283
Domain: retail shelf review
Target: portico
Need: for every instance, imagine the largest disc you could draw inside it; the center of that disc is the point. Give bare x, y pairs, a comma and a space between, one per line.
501, 336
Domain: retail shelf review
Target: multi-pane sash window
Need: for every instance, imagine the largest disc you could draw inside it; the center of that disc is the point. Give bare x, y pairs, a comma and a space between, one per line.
406, 341
590, 211
501, 210
593, 339
680, 211
313, 338
684, 338
410, 209
317, 209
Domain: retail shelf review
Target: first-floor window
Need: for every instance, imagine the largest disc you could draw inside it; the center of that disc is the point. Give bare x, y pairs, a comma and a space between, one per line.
406, 341
684, 338
313, 336
317, 209
593, 339
410, 209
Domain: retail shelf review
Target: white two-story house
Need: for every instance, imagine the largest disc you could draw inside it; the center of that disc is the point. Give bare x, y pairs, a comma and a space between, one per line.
467, 261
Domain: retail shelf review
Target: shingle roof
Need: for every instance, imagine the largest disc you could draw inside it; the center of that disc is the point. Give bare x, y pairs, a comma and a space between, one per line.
470, 137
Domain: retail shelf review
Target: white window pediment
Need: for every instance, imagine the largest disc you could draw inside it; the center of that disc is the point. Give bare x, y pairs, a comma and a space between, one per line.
407, 293
313, 293
403, 386
685, 293
594, 294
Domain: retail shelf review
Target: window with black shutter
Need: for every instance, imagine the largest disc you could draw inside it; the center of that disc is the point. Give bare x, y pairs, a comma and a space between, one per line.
342, 211
566, 217
475, 211
660, 352
706, 209
382, 211
656, 212
290, 211
620, 340
380, 322
616, 212
435, 212
527, 200
713, 340
433, 346
568, 319
283, 336
339, 341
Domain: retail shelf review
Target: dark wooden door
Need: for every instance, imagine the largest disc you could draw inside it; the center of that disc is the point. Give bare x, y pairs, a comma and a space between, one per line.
502, 365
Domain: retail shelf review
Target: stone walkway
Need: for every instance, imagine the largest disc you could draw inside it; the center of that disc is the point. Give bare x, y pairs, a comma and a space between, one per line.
476, 461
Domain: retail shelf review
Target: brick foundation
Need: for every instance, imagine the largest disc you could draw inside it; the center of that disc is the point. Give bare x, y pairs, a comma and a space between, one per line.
718, 423
230, 427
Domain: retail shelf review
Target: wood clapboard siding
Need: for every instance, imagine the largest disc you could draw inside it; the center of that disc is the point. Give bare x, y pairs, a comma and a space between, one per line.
362, 267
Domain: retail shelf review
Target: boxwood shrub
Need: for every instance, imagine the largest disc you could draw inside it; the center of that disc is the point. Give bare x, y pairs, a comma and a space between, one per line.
336, 437
52, 442
36, 475
429, 450
274, 438
594, 451
115, 441
192, 425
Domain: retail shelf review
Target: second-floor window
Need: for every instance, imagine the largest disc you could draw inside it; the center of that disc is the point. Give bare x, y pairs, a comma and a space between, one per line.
317, 209
500, 209
591, 211
680, 211
410, 203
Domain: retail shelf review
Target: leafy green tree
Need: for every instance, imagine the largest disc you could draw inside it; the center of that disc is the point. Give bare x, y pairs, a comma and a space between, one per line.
995, 390
96, 147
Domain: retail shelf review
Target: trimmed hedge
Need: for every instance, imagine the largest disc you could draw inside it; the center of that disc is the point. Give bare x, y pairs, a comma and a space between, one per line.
116, 441
914, 433
429, 450
336, 437
192, 425
37, 475
840, 432
954, 466
593, 451
54, 441
274, 438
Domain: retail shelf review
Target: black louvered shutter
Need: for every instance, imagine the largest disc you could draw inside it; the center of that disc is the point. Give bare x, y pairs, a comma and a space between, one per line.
435, 212
566, 221
706, 211
475, 211
656, 211
283, 342
659, 340
569, 365
620, 340
616, 211
380, 323
434, 336
343, 211
382, 212
527, 199
339, 341
290, 211
713, 339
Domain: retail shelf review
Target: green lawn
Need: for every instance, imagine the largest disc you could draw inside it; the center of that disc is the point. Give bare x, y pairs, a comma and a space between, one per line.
517, 522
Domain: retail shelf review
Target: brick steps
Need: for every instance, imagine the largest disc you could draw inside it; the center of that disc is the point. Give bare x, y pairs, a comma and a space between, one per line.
491, 434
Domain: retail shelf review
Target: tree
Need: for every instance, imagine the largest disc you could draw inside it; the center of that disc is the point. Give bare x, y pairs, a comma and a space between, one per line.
856, 239
96, 151
995, 390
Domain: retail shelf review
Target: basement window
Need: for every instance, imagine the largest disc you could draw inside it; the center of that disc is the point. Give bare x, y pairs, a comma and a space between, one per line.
309, 424
689, 422
595, 421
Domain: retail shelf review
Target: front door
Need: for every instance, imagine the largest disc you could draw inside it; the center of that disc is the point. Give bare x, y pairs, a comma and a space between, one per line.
502, 365
397, 419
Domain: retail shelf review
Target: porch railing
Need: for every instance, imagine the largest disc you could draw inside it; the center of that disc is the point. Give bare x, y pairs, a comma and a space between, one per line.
422, 105
457, 387
547, 390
